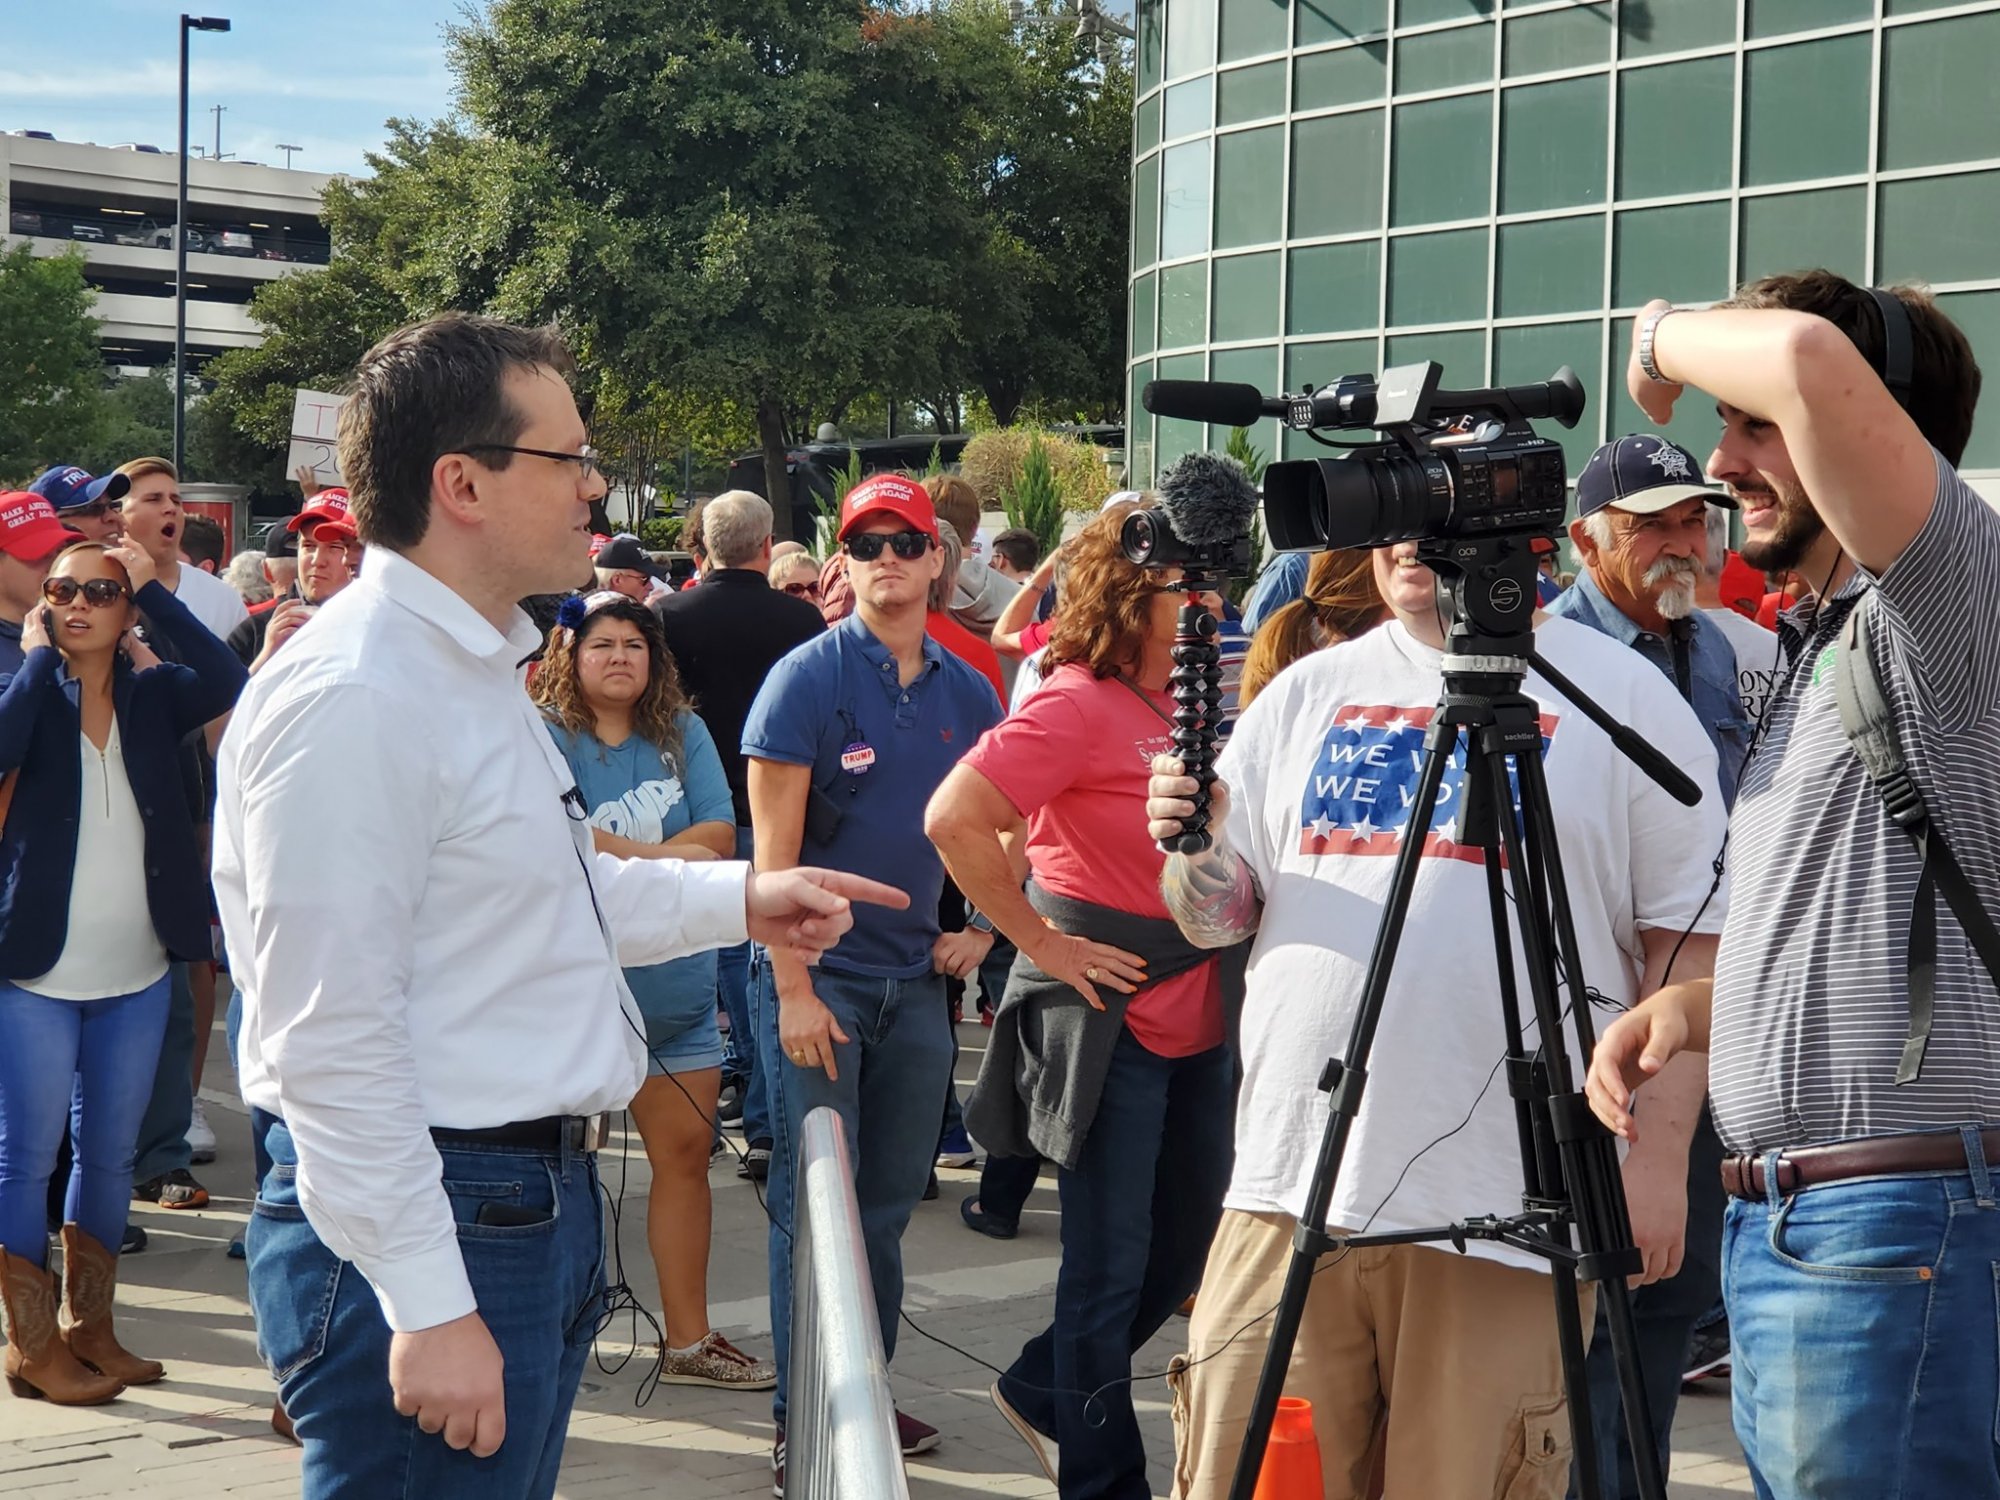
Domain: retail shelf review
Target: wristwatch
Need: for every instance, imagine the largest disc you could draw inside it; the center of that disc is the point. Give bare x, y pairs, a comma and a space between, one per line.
978, 921
1645, 346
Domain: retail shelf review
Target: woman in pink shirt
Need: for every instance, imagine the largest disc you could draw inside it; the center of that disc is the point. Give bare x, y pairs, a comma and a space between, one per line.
1140, 1123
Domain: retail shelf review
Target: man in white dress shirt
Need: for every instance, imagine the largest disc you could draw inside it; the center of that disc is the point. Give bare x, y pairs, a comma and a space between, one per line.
434, 1018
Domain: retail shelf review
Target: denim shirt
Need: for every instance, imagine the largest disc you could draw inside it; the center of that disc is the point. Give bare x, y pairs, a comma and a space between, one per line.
1712, 688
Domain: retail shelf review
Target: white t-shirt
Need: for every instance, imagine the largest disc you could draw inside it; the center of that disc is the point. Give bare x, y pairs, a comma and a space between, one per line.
1321, 770
211, 601
1757, 658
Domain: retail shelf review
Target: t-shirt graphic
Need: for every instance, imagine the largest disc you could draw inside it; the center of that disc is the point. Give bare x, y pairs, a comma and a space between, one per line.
642, 813
1363, 784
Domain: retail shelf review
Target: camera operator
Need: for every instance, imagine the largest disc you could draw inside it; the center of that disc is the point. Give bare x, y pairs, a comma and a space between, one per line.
1312, 793
1860, 1241
1642, 534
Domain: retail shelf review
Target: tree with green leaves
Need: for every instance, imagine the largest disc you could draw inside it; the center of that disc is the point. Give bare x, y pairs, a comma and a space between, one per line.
52, 385
1035, 500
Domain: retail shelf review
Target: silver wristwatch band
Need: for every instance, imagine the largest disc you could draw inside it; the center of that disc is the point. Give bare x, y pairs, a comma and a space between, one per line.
1645, 346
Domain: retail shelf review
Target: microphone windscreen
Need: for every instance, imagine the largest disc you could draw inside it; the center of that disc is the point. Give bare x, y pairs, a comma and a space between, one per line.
1225, 403
1207, 499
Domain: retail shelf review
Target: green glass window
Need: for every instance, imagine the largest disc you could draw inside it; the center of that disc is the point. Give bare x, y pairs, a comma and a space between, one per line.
1424, 12
1190, 37
1437, 278
1173, 438
1184, 305
1443, 150
1138, 427
1776, 17
1551, 266
1913, 7
1521, 355
1937, 228
1444, 59
1146, 129
1185, 200
1680, 253
1245, 94
1152, 36
1251, 28
1309, 366
1335, 287
1694, 425
1145, 213
1932, 78
1190, 108
1258, 367
1346, 75
1145, 295
1246, 297
1250, 186
1337, 174
1797, 231
1690, 104
1804, 113
1463, 355
1662, 26
1576, 38
1552, 144
1341, 20
1978, 313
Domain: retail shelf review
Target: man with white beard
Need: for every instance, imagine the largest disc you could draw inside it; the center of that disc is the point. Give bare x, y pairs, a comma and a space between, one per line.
1642, 535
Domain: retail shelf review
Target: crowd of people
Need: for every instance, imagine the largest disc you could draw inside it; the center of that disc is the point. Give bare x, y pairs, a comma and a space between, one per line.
755, 839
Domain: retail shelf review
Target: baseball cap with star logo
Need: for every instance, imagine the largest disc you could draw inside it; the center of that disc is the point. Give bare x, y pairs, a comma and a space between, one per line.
1642, 475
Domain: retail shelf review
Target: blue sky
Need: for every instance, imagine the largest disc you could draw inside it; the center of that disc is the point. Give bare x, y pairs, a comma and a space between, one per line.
320, 75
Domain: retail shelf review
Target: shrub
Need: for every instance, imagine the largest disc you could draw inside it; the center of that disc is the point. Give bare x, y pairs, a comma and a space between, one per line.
993, 461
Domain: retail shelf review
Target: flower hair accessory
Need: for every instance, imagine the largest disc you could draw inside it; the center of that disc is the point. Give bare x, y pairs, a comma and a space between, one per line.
577, 608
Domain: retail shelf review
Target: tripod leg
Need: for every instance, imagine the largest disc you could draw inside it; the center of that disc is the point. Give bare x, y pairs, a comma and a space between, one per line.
1344, 1082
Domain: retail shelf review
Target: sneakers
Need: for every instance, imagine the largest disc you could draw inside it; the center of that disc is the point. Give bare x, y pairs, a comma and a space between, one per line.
175, 1189
716, 1362
915, 1437
778, 1464
200, 1139
1039, 1443
729, 1108
955, 1150
1708, 1351
756, 1164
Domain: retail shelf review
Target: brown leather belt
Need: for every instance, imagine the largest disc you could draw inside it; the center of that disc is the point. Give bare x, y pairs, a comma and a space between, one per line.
1882, 1156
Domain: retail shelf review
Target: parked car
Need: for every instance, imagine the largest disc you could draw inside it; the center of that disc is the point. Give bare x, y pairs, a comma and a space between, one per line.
24, 221
199, 242
91, 233
140, 232
235, 240
36, 135
135, 146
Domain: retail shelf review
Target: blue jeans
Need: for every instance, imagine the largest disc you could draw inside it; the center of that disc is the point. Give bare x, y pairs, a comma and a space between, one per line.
894, 1070
1865, 1363
739, 1057
163, 1146
540, 1287
1665, 1315
993, 972
261, 1121
87, 1062
1138, 1213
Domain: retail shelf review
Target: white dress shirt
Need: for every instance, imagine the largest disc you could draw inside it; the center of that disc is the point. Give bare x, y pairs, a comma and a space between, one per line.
410, 924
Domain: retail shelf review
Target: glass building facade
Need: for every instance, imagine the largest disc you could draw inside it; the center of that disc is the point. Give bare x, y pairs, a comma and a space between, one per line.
1324, 187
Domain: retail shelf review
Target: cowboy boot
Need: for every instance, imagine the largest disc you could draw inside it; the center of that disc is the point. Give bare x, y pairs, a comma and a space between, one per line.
38, 1362
90, 1280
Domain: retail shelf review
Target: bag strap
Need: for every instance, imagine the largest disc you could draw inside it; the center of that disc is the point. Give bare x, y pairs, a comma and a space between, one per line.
1870, 726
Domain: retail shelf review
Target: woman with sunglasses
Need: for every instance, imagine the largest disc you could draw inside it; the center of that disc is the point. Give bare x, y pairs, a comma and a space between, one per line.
103, 886
654, 788
797, 574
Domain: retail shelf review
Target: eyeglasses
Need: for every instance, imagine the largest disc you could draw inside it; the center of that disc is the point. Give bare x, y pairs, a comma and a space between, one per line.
98, 592
587, 461
908, 545
97, 510
802, 590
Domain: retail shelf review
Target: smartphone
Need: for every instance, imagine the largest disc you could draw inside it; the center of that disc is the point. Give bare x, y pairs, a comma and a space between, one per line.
511, 1215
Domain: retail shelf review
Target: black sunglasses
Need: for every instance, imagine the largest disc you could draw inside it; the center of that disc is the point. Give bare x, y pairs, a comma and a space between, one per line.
908, 545
98, 592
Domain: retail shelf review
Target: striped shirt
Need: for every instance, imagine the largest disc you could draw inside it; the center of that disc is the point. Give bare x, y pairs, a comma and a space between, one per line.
1811, 995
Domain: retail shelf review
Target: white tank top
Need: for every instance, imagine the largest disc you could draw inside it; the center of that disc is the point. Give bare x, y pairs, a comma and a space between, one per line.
111, 947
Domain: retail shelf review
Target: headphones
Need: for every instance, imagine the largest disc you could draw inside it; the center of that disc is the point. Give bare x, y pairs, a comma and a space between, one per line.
1898, 348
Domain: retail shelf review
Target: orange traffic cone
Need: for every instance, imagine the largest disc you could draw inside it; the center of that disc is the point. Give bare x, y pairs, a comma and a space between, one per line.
1291, 1462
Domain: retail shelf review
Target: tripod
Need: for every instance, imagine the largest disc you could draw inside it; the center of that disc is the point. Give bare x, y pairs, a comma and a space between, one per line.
1569, 1161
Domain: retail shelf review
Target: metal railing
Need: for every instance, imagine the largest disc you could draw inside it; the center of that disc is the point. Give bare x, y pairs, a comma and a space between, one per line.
840, 1430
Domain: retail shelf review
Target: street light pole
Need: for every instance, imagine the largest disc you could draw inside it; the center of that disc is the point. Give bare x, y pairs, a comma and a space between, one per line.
188, 23
288, 150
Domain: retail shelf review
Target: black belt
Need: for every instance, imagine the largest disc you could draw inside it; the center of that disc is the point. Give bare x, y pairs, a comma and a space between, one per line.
551, 1134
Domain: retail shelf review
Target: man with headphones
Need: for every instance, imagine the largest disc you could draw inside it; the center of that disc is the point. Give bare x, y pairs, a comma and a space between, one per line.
1852, 1026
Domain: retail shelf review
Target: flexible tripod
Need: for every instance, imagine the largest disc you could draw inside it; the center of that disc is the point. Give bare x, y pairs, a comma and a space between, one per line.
1196, 684
1569, 1162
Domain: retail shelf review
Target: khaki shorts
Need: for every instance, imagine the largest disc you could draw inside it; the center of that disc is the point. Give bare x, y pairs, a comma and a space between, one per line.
1463, 1350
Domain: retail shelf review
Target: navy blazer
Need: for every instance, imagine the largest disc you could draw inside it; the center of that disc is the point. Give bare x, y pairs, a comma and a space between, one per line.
40, 725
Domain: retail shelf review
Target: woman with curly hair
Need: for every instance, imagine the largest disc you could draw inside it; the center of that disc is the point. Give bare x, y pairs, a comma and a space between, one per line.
1341, 601
1108, 1054
654, 788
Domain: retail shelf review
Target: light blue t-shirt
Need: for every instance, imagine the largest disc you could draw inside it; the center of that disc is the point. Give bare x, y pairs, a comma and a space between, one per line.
634, 790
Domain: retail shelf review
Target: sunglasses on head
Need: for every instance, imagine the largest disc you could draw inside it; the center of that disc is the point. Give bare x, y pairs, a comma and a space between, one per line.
98, 592
868, 545
802, 590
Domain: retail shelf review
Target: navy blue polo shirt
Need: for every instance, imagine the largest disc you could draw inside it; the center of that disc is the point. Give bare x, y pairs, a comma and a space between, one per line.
877, 750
